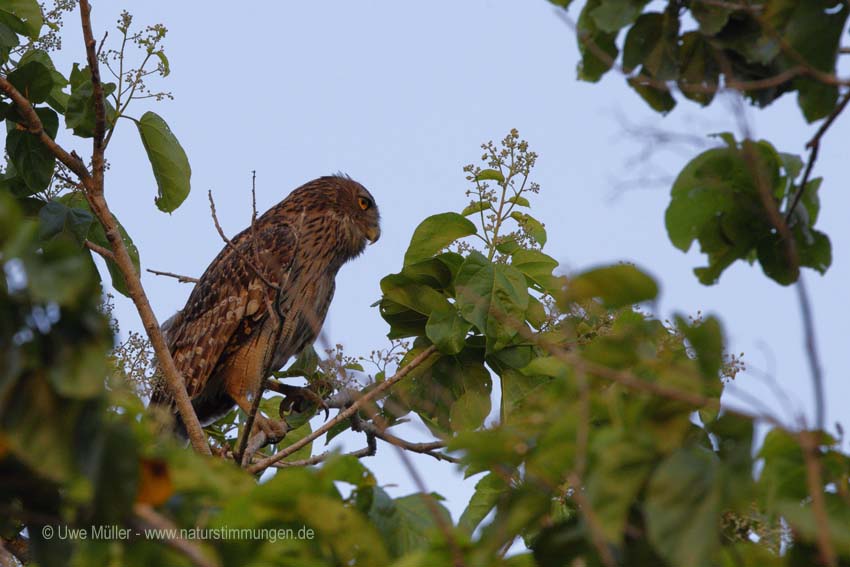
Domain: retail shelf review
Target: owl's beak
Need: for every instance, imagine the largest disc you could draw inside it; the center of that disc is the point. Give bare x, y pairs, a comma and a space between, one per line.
373, 233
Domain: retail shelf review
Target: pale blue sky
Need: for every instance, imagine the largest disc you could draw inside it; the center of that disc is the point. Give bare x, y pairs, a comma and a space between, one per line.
400, 95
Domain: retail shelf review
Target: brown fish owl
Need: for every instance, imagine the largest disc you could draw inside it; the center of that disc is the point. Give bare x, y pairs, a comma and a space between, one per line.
236, 329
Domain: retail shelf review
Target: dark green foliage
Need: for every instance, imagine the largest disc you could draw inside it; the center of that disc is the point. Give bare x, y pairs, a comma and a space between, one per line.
765, 49
730, 199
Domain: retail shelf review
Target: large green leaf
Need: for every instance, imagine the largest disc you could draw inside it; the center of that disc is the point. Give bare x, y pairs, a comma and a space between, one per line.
23, 16
487, 493
493, 297
598, 48
622, 464
79, 106
407, 524
611, 15
447, 329
616, 286
168, 160
684, 502
56, 218
435, 233
33, 162
33, 79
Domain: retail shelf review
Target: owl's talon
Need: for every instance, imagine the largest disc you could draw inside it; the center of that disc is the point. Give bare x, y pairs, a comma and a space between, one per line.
275, 430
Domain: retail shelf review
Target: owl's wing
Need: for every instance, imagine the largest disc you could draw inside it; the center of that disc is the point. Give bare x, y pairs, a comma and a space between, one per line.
227, 297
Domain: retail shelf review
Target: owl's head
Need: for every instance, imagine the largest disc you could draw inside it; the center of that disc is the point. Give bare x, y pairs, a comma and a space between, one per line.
360, 206
339, 211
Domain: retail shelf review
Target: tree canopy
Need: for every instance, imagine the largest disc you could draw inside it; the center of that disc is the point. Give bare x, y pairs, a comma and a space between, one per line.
611, 445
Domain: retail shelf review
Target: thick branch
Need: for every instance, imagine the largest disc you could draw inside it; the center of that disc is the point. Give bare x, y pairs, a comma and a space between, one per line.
35, 127
97, 91
346, 413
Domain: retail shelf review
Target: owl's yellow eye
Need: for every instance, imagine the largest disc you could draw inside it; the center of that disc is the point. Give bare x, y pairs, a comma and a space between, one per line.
364, 203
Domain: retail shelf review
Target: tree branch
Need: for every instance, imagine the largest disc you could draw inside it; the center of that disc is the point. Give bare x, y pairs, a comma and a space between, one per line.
100, 250
812, 353
814, 145
811, 455
181, 279
97, 95
429, 449
346, 413
190, 550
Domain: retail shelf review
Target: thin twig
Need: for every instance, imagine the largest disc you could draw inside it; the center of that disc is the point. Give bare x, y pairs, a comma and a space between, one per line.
346, 413
178, 277
232, 246
812, 353
189, 549
814, 146
368, 451
429, 449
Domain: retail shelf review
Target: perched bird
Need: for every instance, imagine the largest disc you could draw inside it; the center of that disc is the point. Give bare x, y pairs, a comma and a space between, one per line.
238, 325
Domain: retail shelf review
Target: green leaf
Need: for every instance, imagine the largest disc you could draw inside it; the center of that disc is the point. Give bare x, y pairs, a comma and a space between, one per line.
716, 200
532, 226
622, 466
711, 17
658, 99
706, 338
98, 236
55, 218
168, 160
8, 40
597, 60
435, 233
294, 436
447, 329
117, 475
519, 201
617, 286
79, 113
32, 160
493, 297
403, 291
487, 493
34, 80
470, 410
699, 68
24, 16
684, 502
490, 175
537, 268
475, 207
407, 523
611, 15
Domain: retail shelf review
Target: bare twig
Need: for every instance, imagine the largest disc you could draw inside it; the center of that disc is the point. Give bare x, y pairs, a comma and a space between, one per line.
99, 130
190, 550
368, 451
178, 277
100, 250
429, 449
812, 353
346, 413
232, 246
814, 145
